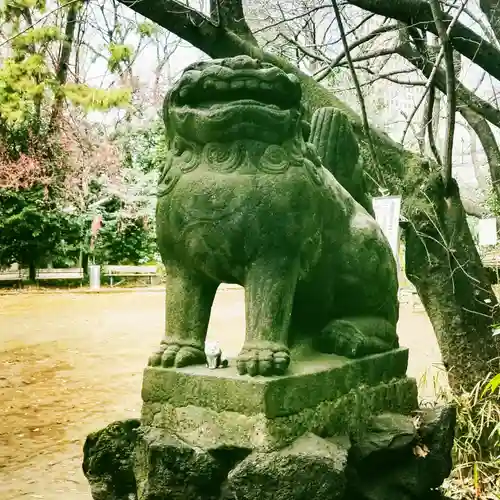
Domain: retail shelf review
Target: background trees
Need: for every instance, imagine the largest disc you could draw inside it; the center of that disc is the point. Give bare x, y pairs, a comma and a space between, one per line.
71, 132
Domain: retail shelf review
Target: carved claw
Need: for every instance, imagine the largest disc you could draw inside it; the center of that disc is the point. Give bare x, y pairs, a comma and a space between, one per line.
263, 359
177, 353
357, 337
155, 358
349, 343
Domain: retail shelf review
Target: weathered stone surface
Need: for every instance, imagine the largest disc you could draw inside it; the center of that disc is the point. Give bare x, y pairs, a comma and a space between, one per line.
336, 144
244, 199
166, 468
347, 414
311, 468
308, 382
409, 472
108, 456
386, 433
437, 431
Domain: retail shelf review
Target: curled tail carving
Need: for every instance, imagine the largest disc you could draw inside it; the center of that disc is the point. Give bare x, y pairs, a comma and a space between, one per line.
335, 142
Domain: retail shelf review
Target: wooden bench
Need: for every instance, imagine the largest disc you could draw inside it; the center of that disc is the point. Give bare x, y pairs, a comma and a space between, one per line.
69, 273
130, 272
17, 276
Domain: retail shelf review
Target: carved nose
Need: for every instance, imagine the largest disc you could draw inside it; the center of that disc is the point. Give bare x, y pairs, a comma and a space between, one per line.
243, 62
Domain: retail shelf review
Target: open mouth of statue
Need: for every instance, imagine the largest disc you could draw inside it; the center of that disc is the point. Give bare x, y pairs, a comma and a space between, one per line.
280, 94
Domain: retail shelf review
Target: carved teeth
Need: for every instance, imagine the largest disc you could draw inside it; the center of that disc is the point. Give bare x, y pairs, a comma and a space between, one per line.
237, 84
252, 84
221, 85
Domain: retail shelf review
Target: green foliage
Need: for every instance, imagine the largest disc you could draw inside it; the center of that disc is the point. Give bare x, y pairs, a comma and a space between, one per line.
125, 241
33, 228
39, 223
90, 98
493, 385
33, 225
144, 148
21, 83
119, 54
128, 232
147, 28
28, 78
476, 473
44, 35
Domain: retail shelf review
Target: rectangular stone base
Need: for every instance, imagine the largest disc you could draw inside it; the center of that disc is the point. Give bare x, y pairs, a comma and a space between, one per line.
327, 395
308, 382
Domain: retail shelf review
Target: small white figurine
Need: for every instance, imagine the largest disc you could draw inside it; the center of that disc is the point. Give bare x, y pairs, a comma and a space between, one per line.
214, 356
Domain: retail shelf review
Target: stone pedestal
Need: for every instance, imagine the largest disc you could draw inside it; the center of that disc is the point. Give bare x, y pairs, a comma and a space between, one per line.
331, 428
327, 395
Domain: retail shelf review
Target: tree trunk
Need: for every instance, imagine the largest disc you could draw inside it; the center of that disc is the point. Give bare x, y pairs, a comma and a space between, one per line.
491, 9
444, 265
63, 63
32, 271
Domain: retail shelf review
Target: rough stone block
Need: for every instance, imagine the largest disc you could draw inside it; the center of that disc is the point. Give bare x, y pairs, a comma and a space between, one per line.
108, 456
208, 428
421, 464
168, 469
308, 382
311, 467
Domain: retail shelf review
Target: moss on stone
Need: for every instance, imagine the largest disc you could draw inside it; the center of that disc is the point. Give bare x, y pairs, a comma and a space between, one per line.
348, 414
308, 383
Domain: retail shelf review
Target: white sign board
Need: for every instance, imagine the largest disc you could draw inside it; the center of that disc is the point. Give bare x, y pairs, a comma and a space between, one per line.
487, 229
387, 210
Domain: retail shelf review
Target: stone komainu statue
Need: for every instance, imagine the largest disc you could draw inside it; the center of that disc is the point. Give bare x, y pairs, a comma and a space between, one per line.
243, 198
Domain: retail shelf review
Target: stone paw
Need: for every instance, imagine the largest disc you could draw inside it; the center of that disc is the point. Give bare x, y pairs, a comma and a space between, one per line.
263, 358
177, 353
355, 338
348, 341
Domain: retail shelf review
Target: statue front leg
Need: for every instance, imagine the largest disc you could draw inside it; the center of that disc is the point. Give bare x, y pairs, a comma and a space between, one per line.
269, 292
188, 303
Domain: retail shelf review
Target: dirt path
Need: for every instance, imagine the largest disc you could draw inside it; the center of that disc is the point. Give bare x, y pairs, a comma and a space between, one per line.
72, 363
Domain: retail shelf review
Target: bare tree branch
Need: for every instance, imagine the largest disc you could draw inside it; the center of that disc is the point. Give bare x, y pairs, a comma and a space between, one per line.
418, 134
477, 122
465, 96
387, 76
293, 18
364, 116
428, 123
372, 55
229, 15
323, 73
491, 9
191, 25
434, 70
63, 64
418, 13
490, 146
304, 50
437, 13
